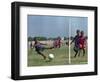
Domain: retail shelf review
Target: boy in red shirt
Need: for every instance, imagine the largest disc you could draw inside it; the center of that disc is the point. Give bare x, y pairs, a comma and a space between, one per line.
59, 42
82, 43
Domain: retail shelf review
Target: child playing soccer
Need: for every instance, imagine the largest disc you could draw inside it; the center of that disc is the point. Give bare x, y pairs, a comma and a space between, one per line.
82, 43
39, 47
57, 43
76, 42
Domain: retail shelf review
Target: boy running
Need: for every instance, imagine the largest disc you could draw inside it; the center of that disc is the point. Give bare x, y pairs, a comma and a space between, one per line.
76, 42
82, 43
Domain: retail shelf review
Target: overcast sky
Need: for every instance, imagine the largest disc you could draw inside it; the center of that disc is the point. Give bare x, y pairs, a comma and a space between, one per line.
54, 26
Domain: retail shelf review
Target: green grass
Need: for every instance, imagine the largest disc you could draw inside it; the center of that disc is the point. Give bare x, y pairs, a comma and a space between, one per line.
61, 57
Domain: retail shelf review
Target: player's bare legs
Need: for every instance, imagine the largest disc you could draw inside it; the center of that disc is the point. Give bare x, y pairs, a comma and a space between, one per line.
83, 51
76, 52
44, 57
79, 52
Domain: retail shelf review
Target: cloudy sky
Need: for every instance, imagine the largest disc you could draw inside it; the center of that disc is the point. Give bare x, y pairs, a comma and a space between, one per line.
54, 26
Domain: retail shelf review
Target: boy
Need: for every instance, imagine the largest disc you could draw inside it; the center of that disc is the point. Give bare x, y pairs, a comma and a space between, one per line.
76, 42
82, 43
57, 43
39, 47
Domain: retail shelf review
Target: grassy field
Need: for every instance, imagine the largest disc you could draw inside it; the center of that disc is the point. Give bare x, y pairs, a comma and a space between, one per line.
61, 57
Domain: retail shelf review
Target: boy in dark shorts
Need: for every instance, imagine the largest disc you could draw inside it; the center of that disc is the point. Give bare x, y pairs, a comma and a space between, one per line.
39, 47
76, 42
82, 43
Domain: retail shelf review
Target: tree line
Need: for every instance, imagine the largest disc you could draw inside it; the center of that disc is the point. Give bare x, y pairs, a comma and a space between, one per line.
41, 38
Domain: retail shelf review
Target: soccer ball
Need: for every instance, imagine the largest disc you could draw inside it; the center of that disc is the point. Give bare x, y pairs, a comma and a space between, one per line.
51, 56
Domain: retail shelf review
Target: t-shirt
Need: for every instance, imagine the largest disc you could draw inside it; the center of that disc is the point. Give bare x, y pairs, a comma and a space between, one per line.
82, 41
76, 39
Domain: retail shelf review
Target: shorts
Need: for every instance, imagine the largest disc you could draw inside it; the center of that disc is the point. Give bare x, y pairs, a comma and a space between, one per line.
39, 48
82, 46
76, 48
